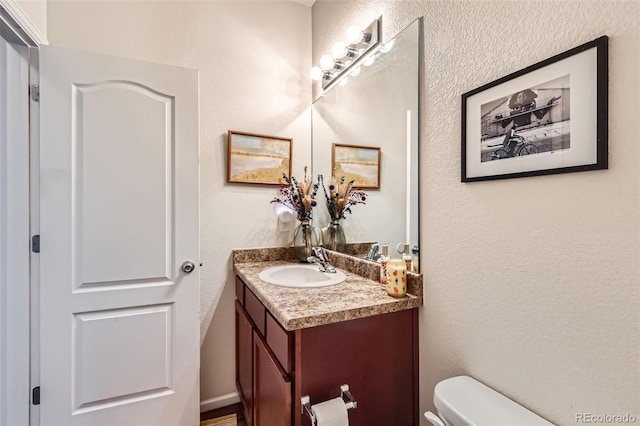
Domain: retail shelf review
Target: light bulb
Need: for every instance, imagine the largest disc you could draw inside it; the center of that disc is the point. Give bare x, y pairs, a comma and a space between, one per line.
326, 62
354, 34
355, 72
387, 46
338, 50
369, 60
316, 73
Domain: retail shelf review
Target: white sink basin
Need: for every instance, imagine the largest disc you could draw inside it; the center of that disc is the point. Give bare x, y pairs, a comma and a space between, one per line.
301, 276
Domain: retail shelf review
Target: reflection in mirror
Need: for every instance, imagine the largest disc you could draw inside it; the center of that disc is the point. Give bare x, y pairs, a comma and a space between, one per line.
378, 108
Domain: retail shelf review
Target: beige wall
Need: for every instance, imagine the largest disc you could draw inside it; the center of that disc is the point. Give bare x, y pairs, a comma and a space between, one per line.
531, 284
253, 59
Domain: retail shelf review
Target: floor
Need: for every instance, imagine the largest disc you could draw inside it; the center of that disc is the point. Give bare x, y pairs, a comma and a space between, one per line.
224, 411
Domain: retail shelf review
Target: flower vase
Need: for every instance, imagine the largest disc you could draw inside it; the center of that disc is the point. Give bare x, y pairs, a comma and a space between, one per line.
333, 237
305, 239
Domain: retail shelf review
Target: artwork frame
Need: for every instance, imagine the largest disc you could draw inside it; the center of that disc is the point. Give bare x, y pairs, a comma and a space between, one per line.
250, 155
525, 121
365, 170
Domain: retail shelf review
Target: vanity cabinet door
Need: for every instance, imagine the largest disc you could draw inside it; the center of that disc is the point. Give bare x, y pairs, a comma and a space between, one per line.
271, 388
244, 360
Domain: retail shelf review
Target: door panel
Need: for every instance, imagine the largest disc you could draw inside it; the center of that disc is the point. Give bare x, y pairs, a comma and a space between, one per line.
119, 215
143, 152
139, 365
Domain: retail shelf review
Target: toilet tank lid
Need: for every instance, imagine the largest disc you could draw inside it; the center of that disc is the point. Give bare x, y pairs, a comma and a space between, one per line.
464, 401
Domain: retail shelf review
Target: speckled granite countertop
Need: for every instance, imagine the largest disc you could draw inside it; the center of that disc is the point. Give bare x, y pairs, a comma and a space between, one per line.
359, 296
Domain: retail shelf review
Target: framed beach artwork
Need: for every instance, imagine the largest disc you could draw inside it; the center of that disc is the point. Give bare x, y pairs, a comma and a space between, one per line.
551, 117
358, 163
260, 159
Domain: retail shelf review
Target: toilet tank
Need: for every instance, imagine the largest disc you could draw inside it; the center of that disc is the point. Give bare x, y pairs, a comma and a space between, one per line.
463, 401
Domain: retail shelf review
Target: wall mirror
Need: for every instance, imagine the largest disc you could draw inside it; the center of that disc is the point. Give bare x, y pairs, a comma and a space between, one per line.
377, 108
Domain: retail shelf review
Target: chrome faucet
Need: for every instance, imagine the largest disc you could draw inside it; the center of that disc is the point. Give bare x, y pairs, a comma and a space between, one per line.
320, 257
374, 253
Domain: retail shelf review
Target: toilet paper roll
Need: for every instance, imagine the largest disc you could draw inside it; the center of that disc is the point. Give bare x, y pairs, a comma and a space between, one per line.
331, 413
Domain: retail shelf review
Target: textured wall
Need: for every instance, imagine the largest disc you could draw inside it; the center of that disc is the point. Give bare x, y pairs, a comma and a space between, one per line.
531, 284
253, 58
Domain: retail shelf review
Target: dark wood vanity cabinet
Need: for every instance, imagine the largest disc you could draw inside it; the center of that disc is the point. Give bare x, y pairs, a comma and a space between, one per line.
376, 356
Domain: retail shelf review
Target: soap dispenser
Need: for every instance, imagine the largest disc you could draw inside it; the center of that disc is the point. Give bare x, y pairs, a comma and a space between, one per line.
405, 251
384, 259
416, 258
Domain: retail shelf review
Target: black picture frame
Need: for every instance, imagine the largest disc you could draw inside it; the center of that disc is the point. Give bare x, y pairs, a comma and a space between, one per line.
548, 118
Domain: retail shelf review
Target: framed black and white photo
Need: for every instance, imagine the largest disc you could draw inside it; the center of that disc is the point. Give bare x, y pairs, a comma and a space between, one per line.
548, 118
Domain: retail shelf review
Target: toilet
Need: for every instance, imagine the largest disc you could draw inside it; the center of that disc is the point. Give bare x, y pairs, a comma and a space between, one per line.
464, 401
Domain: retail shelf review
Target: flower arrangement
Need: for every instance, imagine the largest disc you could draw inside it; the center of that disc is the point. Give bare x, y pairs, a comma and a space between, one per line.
298, 196
341, 197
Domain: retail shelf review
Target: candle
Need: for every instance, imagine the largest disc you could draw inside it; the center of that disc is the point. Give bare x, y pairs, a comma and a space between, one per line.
396, 278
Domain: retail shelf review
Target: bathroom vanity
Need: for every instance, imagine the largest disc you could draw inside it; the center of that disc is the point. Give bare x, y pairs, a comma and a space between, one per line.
293, 342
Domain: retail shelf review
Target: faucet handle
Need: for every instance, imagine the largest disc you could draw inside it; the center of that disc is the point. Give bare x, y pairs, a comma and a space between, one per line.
320, 253
320, 263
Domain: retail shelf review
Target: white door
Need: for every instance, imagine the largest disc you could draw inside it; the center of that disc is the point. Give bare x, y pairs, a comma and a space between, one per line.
118, 217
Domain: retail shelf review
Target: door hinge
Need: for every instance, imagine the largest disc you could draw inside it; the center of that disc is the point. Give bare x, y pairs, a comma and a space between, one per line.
35, 244
35, 396
35, 93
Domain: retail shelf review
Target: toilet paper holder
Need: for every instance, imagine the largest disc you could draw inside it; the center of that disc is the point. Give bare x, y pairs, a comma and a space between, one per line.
346, 396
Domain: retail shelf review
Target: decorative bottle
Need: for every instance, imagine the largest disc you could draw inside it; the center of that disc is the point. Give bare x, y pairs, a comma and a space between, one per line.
304, 240
333, 237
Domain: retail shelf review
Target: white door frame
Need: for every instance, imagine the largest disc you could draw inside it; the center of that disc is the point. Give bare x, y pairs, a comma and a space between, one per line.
20, 25
18, 218
34, 213
14, 228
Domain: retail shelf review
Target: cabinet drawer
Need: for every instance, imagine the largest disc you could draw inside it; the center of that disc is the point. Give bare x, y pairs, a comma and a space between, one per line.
280, 342
240, 291
256, 309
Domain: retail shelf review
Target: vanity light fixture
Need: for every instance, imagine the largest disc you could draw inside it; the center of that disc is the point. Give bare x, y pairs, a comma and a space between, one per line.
386, 47
345, 57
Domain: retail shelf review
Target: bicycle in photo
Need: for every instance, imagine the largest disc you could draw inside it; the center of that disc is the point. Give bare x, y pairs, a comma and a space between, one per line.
522, 148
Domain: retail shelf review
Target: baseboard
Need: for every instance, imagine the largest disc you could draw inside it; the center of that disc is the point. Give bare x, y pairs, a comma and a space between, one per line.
219, 402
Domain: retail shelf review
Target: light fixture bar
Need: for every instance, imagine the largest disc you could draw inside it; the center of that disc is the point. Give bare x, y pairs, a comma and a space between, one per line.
356, 52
